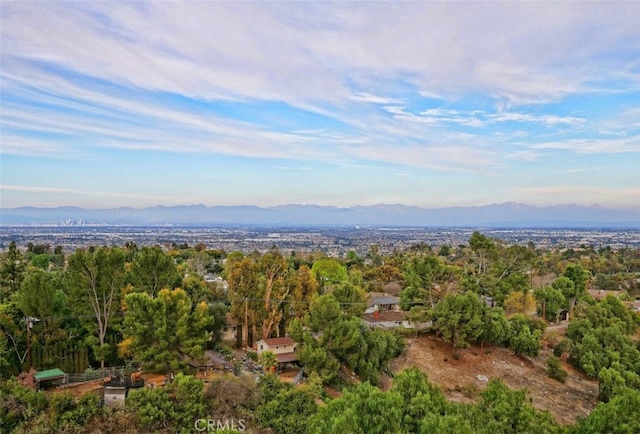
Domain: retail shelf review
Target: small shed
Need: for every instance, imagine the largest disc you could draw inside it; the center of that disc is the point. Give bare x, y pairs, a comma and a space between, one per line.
117, 388
562, 316
50, 378
115, 394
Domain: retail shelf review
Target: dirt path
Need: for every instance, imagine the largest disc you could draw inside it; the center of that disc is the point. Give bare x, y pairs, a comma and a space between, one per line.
459, 379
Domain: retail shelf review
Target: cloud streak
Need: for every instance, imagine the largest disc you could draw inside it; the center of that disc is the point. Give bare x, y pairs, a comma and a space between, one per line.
429, 90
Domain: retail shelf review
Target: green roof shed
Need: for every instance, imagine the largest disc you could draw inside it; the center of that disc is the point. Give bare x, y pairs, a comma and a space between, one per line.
55, 376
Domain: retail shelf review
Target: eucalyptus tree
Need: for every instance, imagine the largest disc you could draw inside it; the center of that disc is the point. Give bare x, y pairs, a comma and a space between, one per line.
95, 280
427, 278
273, 269
244, 286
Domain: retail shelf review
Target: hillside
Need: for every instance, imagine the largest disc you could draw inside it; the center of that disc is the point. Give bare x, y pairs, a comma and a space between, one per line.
458, 379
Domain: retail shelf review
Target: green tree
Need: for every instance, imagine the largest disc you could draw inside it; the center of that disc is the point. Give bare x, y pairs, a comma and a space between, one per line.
304, 288
419, 398
268, 360
365, 409
495, 328
273, 269
501, 410
153, 270
550, 301
378, 349
159, 332
621, 415
523, 339
555, 370
313, 355
244, 288
41, 296
424, 275
11, 271
458, 318
173, 408
287, 411
18, 404
484, 249
351, 298
95, 281
331, 337
329, 272
578, 277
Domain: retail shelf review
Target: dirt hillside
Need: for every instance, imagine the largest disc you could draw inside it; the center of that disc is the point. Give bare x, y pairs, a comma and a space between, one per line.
462, 379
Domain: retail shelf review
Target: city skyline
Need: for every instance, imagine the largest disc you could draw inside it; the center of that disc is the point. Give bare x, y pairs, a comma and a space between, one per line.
428, 104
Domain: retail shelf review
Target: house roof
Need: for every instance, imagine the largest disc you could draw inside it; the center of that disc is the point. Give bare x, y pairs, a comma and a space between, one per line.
49, 374
274, 342
210, 359
600, 294
382, 299
383, 316
286, 357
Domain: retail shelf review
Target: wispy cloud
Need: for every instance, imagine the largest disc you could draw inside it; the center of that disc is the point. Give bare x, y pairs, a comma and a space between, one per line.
70, 191
423, 88
594, 146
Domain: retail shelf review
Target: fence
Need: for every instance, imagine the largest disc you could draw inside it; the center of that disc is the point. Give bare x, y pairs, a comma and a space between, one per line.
97, 374
298, 376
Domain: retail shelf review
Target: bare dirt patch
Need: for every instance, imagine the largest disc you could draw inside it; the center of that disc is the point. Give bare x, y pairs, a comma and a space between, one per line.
461, 379
79, 389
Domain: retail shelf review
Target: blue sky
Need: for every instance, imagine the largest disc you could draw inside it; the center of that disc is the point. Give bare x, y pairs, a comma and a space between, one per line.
433, 104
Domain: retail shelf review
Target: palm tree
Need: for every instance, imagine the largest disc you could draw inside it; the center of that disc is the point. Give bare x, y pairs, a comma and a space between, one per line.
268, 360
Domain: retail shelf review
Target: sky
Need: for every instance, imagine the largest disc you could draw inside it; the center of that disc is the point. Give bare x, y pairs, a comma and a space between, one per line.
431, 104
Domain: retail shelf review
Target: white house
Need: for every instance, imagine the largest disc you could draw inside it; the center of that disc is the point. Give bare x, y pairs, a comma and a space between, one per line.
283, 348
392, 319
382, 302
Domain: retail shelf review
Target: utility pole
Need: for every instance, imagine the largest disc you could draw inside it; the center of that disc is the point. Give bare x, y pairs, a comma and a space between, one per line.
30, 320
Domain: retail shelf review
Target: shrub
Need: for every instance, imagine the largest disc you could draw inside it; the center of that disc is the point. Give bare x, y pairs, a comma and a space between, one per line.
555, 370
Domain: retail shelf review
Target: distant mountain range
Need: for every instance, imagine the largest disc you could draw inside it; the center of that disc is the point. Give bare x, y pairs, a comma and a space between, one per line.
505, 215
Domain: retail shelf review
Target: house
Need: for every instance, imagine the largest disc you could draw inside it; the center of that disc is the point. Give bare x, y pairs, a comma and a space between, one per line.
216, 281
382, 302
210, 362
601, 294
230, 332
283, 348
385, 319
393, 319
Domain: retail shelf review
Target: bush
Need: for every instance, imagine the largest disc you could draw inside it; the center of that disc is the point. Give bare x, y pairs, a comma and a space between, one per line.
555, 370
564, 346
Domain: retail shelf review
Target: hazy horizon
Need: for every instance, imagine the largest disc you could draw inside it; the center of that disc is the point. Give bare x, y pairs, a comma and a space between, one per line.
427, 104
283, 205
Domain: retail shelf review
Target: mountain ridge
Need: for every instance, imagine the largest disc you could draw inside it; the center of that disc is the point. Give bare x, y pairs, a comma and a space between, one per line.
508, 214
